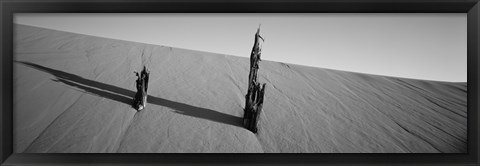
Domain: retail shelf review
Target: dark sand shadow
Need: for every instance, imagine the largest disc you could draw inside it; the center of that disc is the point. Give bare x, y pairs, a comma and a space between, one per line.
126, 96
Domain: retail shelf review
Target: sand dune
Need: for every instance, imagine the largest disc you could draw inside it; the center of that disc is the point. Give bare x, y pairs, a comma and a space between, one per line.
73, 94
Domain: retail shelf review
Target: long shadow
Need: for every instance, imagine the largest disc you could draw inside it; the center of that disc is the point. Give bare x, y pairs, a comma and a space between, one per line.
126, 96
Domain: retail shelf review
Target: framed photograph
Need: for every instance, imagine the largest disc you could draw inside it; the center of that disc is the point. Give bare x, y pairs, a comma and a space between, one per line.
242, 82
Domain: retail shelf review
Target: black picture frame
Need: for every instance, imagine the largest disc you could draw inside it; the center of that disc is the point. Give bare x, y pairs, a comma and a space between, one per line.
9, 7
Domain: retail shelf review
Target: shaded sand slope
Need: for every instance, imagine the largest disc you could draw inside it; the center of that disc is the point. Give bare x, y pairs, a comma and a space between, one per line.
73, 93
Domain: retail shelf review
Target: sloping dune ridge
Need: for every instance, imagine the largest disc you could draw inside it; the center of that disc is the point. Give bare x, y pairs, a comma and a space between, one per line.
73, 94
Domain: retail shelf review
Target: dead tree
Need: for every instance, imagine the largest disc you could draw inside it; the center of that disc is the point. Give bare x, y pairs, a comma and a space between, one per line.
140, 100
256, 91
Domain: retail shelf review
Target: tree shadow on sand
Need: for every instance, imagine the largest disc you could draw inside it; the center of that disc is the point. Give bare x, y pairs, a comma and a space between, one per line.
126, 96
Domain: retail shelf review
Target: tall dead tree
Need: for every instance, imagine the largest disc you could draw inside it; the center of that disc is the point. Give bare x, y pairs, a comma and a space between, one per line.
256, 91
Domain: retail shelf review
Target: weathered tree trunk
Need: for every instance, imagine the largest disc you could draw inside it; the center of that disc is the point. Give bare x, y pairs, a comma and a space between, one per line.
140, 100
255, 93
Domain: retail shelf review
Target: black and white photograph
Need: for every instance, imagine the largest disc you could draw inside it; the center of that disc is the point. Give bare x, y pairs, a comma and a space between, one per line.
240, 83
